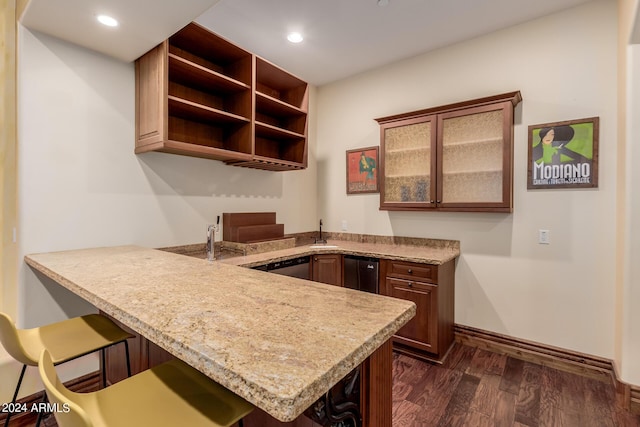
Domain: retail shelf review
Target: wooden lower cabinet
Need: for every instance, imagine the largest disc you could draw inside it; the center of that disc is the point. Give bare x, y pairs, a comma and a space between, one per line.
421, 332
429, 334
327, 268
143, 354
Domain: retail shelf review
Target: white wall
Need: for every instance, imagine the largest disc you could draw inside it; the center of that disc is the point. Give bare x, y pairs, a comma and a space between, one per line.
630, 368
81, 185
565, 66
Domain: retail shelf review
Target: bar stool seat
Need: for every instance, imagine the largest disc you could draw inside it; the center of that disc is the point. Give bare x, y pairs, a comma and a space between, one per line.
65, 340
171, 394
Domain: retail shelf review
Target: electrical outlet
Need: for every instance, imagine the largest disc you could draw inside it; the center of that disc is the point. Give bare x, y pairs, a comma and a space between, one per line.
344, 225
544, 237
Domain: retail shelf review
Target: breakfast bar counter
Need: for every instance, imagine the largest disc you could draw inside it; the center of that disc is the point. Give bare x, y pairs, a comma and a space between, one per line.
279, 342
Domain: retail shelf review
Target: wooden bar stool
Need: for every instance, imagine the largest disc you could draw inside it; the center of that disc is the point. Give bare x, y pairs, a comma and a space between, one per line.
65, 341
171, 394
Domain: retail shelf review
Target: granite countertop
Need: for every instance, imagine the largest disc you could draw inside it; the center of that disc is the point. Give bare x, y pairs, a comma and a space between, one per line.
426, 251
436, 255
280, 343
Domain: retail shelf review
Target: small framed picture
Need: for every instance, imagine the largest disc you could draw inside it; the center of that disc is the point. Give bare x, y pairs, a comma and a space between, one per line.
362, 170
563, 154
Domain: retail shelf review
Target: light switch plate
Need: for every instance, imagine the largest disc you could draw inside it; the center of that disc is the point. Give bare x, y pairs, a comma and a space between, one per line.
544, 237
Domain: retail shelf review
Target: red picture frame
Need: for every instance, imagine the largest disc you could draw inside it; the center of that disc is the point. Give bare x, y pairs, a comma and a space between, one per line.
362, 171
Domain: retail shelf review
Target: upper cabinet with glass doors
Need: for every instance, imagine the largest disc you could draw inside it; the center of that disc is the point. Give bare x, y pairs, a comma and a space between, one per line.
457, 157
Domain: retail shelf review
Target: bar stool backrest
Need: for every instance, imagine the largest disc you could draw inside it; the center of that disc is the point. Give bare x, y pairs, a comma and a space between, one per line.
11, 341
68, 413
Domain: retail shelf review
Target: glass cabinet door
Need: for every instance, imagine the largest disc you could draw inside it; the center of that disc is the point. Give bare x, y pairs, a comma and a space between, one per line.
408, 155
457, 157
473, 158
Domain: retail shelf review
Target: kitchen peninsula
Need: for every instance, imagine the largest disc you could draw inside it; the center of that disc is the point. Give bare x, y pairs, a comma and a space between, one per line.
414, 269
280, 343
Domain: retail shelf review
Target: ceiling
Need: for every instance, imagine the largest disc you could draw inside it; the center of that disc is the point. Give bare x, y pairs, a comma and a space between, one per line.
342, 37
143, 23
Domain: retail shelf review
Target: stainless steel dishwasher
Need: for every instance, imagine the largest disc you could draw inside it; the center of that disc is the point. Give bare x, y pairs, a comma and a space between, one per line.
361, 273
296, 267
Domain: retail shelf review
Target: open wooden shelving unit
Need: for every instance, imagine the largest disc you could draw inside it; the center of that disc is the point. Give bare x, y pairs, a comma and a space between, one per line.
199, 95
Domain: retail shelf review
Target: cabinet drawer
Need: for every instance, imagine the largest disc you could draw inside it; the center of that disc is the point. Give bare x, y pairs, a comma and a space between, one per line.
408, 270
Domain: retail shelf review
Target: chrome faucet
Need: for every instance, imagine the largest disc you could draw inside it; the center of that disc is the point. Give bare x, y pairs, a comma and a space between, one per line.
319, 239
211, 239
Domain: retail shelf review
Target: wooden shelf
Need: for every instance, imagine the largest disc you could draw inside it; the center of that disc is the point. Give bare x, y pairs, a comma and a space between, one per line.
276, 83
268, 131
280, 119
275, 107
273, 113
292, 152
199, 45
194, 75
193, 150
201, 113
195, 96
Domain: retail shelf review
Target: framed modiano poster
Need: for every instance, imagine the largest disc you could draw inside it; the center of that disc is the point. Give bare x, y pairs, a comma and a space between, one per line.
563, 154
362, 170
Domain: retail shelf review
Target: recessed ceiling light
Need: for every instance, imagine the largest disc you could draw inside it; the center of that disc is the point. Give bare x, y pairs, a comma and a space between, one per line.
383, 2
295, 37
107, 20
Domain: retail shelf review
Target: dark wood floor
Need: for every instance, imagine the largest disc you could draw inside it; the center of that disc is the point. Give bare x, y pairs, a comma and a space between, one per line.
478, 388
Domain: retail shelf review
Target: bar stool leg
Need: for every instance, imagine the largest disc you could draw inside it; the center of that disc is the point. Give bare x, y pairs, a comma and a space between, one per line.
15, 394
40, 413
40, 417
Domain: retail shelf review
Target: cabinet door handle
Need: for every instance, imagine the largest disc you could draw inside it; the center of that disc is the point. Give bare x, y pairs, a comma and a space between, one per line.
410, 271
315, 259
410, 284
438, 201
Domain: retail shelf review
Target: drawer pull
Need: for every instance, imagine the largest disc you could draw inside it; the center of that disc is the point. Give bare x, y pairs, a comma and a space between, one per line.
411, 284
410, 271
